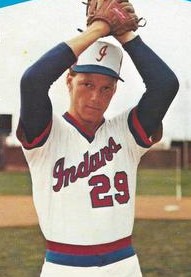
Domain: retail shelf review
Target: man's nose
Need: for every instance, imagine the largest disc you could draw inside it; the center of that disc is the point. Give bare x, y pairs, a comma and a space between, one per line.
95, 94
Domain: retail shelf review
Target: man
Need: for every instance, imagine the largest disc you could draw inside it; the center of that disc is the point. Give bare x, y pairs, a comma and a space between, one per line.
83, 167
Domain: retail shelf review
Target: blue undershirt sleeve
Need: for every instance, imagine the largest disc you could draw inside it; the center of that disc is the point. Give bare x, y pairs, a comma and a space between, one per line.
36, 107
160, 81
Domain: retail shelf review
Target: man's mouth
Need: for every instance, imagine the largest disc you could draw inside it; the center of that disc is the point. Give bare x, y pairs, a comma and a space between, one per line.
93, 108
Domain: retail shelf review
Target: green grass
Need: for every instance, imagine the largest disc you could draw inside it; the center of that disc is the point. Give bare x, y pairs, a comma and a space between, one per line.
150, 182
21, 252
163, 247
15, 183
162, 182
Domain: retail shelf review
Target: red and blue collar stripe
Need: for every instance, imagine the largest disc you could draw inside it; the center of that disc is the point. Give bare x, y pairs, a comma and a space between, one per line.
88, 135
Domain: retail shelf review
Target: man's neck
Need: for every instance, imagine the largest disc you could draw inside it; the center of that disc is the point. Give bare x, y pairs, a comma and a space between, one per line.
88, 126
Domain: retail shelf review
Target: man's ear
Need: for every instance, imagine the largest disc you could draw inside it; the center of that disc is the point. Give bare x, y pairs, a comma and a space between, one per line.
69, 81
115, 87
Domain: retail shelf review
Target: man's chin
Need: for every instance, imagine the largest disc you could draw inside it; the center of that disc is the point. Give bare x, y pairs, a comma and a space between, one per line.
92, 116
92, 119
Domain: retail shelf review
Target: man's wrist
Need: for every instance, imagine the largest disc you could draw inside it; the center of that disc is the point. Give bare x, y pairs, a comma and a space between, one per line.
100, 27
128, 36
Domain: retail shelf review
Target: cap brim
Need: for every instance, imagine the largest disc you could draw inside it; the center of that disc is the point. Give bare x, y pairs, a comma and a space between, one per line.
90, 68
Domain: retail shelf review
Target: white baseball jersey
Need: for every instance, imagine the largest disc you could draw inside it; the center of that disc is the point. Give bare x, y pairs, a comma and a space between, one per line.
84, 190
84, 186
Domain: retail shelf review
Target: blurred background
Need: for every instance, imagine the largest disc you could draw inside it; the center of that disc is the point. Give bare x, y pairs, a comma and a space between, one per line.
27, 31
31, 28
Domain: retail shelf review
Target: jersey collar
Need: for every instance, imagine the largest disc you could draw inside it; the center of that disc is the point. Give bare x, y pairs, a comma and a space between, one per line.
88, 135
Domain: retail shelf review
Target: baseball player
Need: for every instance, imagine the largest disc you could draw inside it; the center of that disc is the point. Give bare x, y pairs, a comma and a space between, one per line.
84, 167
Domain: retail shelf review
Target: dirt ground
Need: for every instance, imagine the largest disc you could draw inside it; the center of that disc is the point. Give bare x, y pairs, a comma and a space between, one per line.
19, 210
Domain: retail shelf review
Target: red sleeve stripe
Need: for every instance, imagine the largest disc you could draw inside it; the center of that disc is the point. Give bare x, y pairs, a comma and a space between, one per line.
138, 131
38, 141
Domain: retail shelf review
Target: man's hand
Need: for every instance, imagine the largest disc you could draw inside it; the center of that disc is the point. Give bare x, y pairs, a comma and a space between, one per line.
118, 14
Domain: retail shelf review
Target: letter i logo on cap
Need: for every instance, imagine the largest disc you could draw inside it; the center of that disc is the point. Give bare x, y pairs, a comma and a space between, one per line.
102, 53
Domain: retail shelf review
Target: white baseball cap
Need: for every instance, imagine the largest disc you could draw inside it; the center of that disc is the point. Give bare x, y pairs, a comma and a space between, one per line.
102, 58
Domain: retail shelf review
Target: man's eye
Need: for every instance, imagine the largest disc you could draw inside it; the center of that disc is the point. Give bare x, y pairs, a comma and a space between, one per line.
88, 85
106, 89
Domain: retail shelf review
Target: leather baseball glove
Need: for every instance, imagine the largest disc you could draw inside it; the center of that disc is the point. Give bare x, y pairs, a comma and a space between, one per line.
119, 14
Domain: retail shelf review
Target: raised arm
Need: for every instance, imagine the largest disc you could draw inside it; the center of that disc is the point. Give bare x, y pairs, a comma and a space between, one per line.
36, 108
161, 86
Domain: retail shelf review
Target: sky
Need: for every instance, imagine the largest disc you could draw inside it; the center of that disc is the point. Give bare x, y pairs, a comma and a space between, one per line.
29, 29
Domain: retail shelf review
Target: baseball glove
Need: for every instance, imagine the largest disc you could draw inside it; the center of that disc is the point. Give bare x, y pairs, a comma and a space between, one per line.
119, 14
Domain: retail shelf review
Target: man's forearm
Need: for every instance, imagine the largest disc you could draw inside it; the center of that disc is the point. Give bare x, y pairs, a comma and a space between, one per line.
160, 81
36, 108
81, 42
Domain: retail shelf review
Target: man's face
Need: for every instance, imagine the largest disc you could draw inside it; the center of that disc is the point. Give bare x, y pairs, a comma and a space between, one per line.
90, 95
